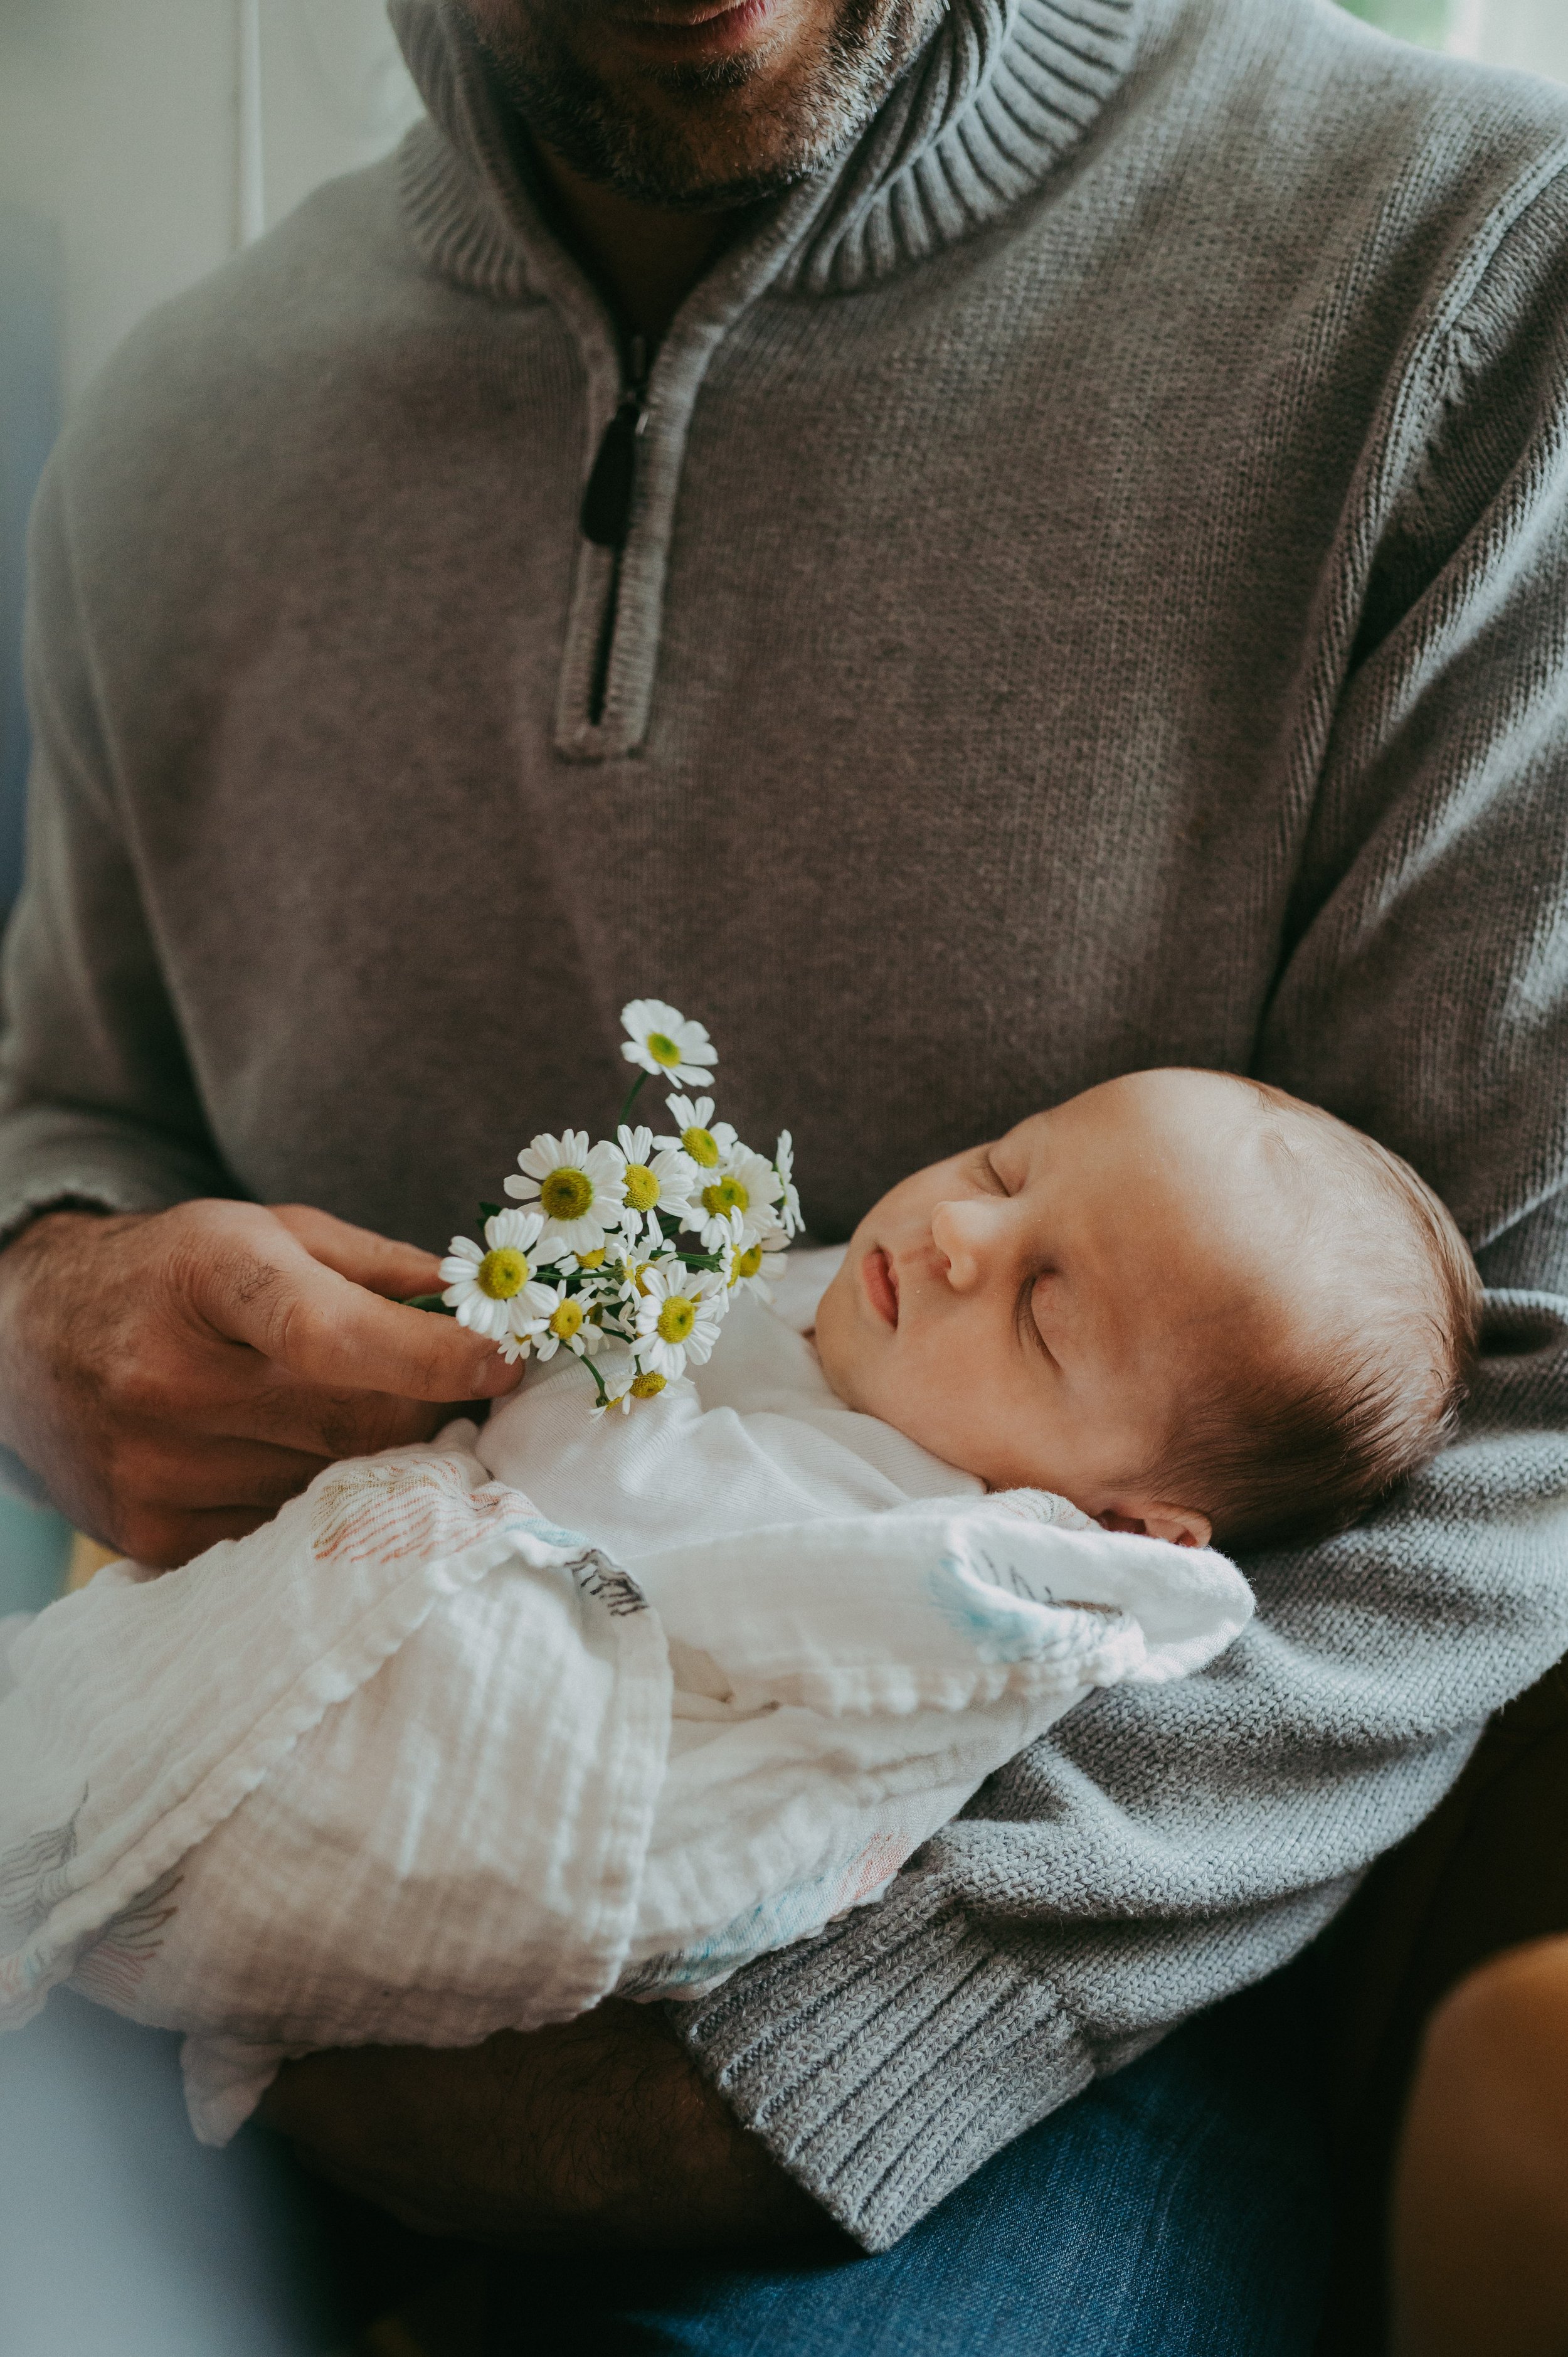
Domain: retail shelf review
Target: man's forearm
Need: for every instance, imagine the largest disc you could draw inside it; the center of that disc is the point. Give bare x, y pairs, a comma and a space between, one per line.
600, 2132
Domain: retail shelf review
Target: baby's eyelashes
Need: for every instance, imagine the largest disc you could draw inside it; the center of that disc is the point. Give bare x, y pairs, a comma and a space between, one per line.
1028, 1324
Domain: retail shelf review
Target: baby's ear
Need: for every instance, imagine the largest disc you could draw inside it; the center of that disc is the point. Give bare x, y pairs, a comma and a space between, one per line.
1180, 1524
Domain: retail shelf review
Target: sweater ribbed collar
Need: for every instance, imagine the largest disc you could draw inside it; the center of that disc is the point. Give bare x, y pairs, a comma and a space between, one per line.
1002, 93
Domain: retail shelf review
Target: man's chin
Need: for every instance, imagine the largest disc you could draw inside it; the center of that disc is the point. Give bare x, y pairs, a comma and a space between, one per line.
699, 136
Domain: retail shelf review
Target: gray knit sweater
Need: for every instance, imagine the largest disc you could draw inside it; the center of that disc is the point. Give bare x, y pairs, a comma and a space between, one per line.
1097, 596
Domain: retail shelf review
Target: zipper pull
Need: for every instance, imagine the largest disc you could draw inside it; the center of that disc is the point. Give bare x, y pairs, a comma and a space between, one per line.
606, 515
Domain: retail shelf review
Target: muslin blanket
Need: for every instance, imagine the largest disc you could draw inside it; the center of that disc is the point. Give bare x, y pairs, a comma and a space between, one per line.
474, 1734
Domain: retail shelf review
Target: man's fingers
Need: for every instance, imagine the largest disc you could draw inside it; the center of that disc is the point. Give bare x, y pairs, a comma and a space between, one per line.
245, 1475
165, 1538
334, 1425
330, 1332
377, 1263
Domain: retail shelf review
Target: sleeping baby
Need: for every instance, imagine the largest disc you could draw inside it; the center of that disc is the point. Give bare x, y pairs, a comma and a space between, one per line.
474, 1734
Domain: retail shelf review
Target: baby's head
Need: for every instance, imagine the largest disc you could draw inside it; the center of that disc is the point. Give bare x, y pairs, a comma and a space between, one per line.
1189, 1302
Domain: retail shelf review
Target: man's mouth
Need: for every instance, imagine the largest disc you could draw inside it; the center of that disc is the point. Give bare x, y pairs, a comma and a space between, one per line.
880, 1279
701, 29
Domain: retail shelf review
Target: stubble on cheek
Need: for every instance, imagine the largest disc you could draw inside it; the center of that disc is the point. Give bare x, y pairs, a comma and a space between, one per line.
699, 138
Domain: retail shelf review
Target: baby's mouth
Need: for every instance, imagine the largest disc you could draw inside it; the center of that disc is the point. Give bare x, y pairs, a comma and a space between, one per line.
880, 1279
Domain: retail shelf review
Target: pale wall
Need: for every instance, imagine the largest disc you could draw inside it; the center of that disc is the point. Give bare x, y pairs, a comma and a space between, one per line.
117, 124
1533, 34
154, 133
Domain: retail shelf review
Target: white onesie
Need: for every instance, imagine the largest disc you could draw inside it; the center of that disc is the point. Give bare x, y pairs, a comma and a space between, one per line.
472, 1736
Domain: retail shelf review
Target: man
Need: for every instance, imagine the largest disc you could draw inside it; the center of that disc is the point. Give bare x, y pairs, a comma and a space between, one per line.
972, 548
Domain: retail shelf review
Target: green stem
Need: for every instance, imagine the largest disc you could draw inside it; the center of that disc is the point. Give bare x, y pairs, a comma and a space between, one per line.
631, 1096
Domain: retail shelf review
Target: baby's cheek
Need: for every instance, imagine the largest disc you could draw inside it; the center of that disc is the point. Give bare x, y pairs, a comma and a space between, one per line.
936, 1401
834, 1340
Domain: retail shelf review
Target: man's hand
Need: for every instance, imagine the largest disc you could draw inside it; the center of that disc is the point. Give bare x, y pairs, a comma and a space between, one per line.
175, 1376
600, 2132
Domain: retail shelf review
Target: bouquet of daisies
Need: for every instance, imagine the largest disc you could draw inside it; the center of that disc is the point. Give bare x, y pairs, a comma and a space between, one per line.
629, 1256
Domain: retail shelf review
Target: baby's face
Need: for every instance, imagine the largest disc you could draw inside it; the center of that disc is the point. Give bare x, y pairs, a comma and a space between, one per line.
1030, 1310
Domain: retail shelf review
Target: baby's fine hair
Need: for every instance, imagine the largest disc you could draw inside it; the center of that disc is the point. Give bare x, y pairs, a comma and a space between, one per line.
1295, 1442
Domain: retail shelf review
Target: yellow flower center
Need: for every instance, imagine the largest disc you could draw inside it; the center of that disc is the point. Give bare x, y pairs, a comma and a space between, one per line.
701, 1145
638, 1274
725, 1195
749, 1263
502, 1274
647, 1386
642, 1186
566, 1194
593, 1259
676, 1319
567, 1321
662, 1051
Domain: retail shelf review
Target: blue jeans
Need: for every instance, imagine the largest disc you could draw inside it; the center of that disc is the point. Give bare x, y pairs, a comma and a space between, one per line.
1178, 2207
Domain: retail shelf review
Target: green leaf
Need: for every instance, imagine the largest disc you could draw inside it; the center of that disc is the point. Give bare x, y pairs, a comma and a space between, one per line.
429, 1301
489, 1212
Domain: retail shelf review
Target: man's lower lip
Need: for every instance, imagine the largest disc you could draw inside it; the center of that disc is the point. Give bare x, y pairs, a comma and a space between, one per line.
881, 1285
708, 31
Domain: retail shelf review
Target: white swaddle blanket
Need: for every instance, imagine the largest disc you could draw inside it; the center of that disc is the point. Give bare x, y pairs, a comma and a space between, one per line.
472, 1736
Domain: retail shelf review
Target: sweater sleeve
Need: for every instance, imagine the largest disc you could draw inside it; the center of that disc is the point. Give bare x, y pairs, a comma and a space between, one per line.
97, 1101
1163, 1848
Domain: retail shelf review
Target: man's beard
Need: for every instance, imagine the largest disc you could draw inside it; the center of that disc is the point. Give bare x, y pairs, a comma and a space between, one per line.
705, 149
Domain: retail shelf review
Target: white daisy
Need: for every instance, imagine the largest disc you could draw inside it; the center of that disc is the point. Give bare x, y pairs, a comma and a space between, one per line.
730, 1249
678, 1318
623, 1384
519, 1343
698, 1136
743, 1182
581, 1194
789, 1207
760, 1264
589, 1263
643, 1386
662, 1042
485, 1282
633, 1272
653, 1182
564, 1323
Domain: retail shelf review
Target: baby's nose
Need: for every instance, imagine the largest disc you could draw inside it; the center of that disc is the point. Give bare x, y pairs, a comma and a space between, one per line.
964, 1234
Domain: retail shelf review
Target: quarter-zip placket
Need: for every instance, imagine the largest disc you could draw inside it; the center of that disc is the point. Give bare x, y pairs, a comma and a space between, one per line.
626, 513
605, 513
